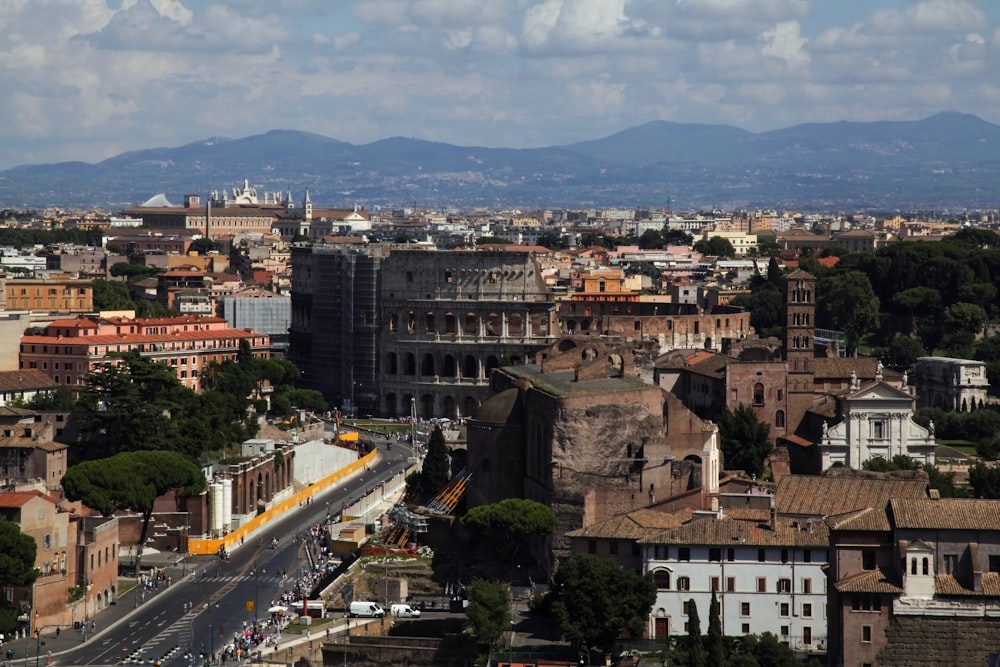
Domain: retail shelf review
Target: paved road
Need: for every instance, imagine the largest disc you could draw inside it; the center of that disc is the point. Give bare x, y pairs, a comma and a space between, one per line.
161, 626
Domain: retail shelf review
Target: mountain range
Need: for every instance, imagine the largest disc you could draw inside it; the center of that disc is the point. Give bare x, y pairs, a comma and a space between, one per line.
946, 161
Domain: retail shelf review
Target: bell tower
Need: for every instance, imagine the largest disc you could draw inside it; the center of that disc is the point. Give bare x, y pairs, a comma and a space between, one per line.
798, 348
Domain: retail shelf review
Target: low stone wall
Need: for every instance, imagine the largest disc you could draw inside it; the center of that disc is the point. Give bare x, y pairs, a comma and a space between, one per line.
925, 640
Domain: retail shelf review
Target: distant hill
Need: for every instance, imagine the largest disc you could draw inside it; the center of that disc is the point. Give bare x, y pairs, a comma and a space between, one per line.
949, 160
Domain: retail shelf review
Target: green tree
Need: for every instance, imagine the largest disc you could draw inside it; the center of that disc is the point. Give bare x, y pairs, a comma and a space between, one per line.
17, 556
847, 303
903, 352
743, 440
763, 651
203, 246
132, 272
696, 643
489, 610
650, 239
716, 641
112, 295
717, 246
503, 529
437, 463
550, 240
132, 481
59, 399
593, 600
985, 480
676, 237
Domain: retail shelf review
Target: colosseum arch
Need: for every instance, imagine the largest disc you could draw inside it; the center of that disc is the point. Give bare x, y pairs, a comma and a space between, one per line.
411, 322
450, 368
470, 406
493, 324
515, 325
616, 365
449, 323
470, 367
393, 322
566, 344
429, 322
409, 364
427, 406
471, 324
390, 409
392, 364
427, 365
491, 363
450, 409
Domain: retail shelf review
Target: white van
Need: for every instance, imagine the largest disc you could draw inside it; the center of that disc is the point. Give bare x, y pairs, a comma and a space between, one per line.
365, 609
404, 611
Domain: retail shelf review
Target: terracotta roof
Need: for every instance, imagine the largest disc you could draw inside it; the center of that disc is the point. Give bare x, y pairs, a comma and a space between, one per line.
730, 532
828, 262
946, 513
634, 525
946, 584
25, 380
20, 498
872, 581
808, 495
841, 367
869, 518
111, 339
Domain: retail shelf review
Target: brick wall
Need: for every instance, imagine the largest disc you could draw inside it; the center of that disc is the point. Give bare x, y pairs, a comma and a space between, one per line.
939, 641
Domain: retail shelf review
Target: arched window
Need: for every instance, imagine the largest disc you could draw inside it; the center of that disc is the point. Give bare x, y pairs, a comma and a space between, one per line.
927, 565
779, 419
411, 321
662, 579
758, 394
471, 324
393, 322
449, 323
410, 365
913, 565
427, 367
391, 364
429, 319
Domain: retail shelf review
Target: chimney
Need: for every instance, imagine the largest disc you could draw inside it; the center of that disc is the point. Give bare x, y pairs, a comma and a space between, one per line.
774, 518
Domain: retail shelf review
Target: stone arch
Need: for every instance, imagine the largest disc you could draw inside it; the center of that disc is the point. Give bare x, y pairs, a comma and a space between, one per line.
516, 361
429, 322
584, 326
588, 353
427, 406
411, 322
471, 324
515, 324
493, 324
407, 402
470, 406
450, 409
470, 367
449, 323
491, 363
450, 368
393, 322
566, 344
389, 403
409, 364
427, 365
616, 365
539, 325
391, 364
779, 419
571, 326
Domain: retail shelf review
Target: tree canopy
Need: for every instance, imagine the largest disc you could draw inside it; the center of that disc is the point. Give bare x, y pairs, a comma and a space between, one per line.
743, 440
717, 246
489, 610
504, 528
132, 481
436, 470
846, 302
594, 599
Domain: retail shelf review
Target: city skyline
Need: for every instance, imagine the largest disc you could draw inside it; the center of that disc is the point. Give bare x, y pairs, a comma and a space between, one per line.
88, 80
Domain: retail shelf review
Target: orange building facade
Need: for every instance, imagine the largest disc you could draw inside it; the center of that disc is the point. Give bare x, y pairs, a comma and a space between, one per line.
71, 348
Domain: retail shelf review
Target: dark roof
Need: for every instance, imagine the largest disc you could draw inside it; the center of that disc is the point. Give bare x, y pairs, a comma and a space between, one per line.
945, 513
872, 581
498, 408
807, 495
731, 532
869, 518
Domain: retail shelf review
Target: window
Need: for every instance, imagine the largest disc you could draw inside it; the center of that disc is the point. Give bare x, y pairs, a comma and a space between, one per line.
761, 555
951, 563
715, 554
758, 394
745, 628
686, 607
730, 584
807, 586
779, 419
926, 566
744, 609
662, 579
807, 556
47, 541
730, 555
761, 584
783, 609
878, 430
683, 583
784, 630
714, 584
807, 610
866, 633
784, 585
781, 394
807, 635
660, 552
868, 559
994, 563
684, 553
784, 555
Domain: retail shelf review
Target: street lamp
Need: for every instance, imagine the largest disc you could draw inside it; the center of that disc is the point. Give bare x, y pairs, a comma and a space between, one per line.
38, 648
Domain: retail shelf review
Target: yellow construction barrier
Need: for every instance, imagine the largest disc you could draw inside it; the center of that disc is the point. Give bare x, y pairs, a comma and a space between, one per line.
201, 546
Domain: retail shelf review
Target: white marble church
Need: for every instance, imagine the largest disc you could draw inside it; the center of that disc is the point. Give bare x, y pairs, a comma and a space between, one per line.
877, 421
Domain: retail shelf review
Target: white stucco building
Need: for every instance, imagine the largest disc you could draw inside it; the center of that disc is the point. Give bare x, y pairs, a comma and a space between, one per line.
876, 421
768, 574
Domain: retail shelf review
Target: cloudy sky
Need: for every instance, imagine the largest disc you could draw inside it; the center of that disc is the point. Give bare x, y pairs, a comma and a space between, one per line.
87, 79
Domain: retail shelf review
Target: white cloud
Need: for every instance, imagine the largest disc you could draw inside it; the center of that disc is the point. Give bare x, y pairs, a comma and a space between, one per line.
86, 78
